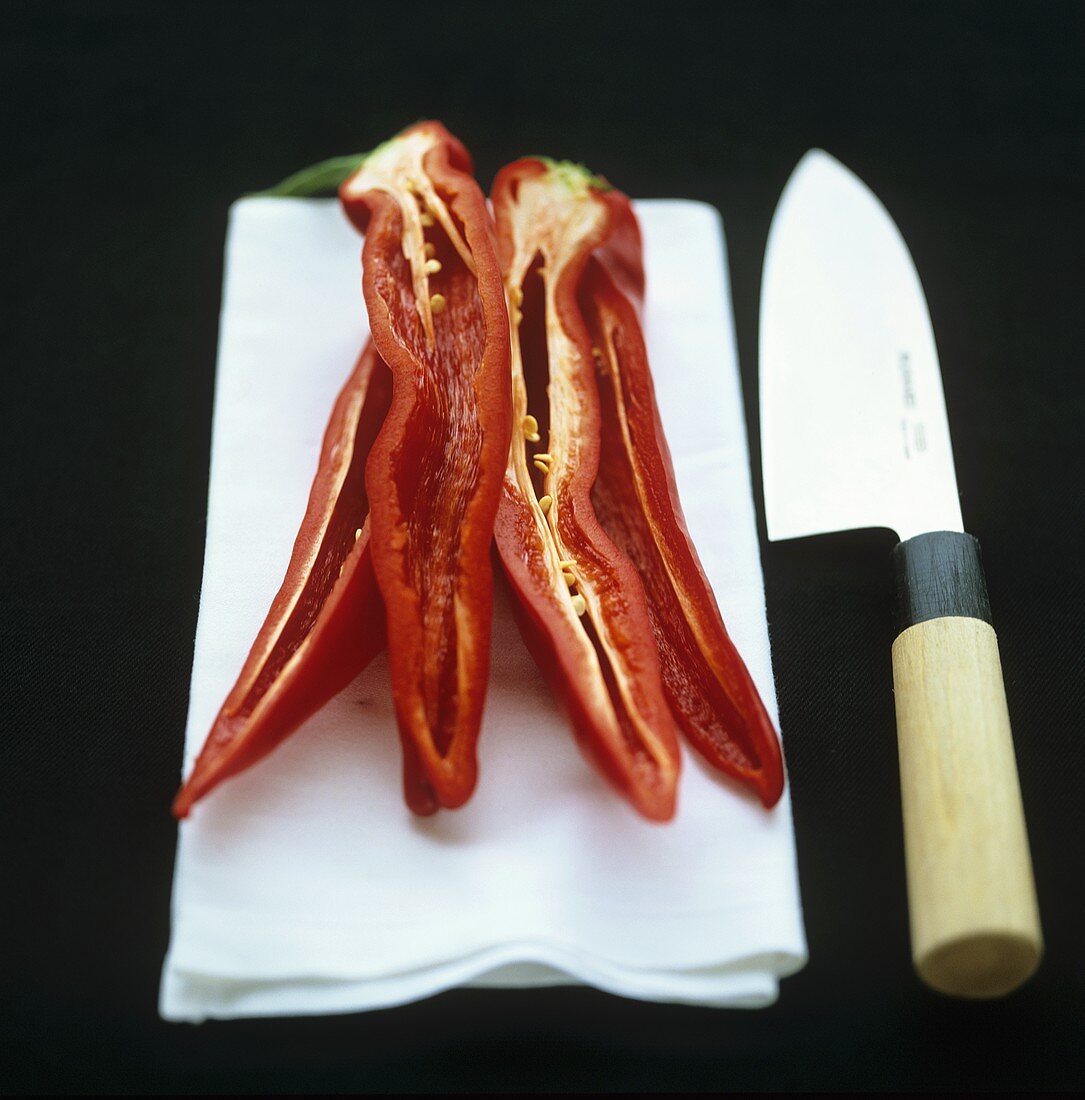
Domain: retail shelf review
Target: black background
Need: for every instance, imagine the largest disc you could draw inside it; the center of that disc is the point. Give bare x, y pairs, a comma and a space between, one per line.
129, 130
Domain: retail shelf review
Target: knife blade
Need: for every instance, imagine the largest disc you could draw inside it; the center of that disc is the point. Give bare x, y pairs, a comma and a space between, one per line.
854, 434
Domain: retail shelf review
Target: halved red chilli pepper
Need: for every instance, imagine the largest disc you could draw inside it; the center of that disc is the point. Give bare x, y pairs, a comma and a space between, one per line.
580, 604
436, 305
708, 686
571, 249
327, 621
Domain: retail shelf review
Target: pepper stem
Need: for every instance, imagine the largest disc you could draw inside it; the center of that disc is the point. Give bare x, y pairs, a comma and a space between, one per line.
317, 178
575, 176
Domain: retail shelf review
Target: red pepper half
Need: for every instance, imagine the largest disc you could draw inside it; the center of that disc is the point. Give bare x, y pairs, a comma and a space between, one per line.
708, 686
327, 621
613, 601
580, 604
436, 305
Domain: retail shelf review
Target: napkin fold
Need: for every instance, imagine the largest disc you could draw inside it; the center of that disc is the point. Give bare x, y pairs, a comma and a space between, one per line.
305, 885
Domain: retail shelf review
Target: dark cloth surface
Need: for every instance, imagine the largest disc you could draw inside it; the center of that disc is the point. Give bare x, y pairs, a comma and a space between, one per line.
129, 130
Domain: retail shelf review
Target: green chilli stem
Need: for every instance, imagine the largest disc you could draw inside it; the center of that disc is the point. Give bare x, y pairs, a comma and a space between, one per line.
317, 179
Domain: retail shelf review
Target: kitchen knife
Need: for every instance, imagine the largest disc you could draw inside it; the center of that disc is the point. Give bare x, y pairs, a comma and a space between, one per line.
854, 435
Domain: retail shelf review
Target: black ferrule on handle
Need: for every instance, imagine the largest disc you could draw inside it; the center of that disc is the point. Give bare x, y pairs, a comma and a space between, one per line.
937, 575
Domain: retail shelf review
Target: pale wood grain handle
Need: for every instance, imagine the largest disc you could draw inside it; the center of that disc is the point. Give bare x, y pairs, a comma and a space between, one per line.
974, 918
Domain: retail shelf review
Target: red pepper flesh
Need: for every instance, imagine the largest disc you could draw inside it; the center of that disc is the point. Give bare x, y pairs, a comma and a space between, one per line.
433, 291
708, 686
580, 604
602, 420
327, 621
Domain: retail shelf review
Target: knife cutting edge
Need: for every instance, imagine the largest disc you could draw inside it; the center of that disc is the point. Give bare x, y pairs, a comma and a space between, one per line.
854, 435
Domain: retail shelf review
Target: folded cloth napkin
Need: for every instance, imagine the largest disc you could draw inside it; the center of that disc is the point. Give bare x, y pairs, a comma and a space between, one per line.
305, 885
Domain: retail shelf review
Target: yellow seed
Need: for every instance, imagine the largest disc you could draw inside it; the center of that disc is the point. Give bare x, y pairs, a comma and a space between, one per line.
530, 424
570, 578
597, 353
544, 456
579, 604
567, 564
357, 534
437, 304
545, 502
426, 218
517, 296
429, 249
541, 466
533, 437
431, 267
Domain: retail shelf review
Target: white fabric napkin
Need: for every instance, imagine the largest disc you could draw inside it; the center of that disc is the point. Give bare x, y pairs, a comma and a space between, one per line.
305, 885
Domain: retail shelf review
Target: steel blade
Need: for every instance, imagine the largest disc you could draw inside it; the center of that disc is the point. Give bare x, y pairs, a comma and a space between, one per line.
853, 419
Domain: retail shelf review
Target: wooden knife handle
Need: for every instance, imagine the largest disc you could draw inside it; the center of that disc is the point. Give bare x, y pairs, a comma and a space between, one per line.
972, 901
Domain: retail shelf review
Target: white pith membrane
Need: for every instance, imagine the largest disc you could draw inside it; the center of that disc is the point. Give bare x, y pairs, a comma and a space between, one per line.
553, 214
397, 169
